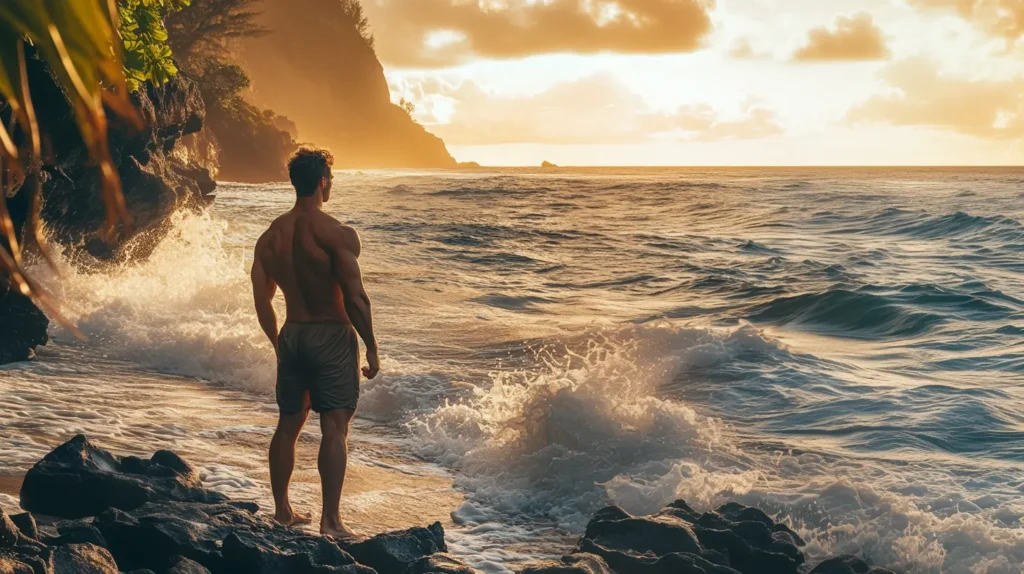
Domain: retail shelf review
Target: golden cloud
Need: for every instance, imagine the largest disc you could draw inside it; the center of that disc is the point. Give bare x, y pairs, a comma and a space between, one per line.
852, 38
924, 97
743, 50
593, 110
446, 32
1003, 18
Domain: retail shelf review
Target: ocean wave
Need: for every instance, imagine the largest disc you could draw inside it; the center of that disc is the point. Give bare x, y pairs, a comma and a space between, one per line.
186, 309
844, 313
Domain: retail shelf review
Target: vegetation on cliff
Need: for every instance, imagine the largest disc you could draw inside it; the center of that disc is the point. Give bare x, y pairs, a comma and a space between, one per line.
253, 147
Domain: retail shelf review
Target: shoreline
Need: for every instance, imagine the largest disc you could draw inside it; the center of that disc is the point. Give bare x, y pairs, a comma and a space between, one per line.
225, 434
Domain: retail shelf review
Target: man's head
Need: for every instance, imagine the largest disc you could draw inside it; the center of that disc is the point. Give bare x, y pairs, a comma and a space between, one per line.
310, 172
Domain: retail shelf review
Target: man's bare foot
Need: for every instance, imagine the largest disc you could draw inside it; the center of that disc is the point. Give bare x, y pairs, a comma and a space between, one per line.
294, 519
341, 531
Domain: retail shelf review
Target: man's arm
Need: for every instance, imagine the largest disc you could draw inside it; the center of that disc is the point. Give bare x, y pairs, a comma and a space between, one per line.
345, 264
263, 290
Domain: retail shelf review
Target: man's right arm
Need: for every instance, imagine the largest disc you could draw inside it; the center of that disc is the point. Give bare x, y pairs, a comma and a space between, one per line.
345, 264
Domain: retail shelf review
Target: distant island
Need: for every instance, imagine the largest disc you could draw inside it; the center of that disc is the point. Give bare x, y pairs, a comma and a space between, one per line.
547, 164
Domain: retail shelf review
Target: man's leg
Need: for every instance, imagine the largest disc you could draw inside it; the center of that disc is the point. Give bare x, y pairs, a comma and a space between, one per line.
332, 463
282, 462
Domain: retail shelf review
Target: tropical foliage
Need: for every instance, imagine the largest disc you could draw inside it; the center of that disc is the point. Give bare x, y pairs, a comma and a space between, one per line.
96, 63
147, 54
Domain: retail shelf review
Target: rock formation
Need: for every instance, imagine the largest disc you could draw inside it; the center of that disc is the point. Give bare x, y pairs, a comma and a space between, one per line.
110, 514
734, 539
157, 177
317, 69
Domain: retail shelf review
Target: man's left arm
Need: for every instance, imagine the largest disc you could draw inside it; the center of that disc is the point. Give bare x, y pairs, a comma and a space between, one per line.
263, 291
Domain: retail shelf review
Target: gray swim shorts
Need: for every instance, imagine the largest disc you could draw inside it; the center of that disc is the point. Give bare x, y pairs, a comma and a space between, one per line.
322, 358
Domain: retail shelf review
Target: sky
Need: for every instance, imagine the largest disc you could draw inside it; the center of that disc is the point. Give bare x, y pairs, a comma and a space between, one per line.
711, 82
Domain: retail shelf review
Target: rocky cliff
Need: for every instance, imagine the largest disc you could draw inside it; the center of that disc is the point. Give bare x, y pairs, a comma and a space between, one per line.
316, 68
157, 178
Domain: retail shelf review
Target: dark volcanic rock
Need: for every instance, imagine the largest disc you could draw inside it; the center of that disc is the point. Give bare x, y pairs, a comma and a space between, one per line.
9, 533
26, 523
394, 552
182, 565
847, 564
156, 181
441, 563
260, 554
672, 563
77, 532
78, 479
678, 539
22, 328
81, 559
573, 564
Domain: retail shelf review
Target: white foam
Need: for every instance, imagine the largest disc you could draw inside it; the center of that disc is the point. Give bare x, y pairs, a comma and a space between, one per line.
186, 309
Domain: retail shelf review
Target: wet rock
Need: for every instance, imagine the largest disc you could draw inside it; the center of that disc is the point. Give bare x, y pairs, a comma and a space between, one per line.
441, 563
9, 533
26, 523
154, 534
262, 554
394, 552
24, 326
77, 532
660, 535
182, 565
77, 479
573, 564
673, 563
12, 565
847, 564
81, 559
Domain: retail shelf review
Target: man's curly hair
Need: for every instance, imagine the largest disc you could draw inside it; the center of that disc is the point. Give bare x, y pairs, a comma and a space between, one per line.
307, 166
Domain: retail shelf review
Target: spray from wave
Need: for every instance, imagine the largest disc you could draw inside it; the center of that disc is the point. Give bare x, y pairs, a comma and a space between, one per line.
185, 310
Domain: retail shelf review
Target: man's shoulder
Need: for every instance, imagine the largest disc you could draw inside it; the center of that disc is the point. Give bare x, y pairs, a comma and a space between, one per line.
338, 230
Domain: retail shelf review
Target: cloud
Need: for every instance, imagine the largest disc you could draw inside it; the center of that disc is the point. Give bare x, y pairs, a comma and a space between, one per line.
1004, 18
593, 110
924, 97
743, 50
852, 38
445, 32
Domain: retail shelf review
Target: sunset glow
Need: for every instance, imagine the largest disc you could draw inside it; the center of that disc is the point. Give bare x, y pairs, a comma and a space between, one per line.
706, 82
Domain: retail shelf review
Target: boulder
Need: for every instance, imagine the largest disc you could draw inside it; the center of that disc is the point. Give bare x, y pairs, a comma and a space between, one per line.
182, 565
440, 563
77, 479
672, 563
81, 559
77, 532
735, 538
261, 553
573, 564
26, 523
660, 535
23, 327
395, 552
9, 533
13, 565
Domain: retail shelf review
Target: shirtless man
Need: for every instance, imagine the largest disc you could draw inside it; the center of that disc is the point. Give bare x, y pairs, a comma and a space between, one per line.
313, 259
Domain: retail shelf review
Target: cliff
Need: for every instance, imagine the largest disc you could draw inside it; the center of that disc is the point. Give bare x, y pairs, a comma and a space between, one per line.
316, 68
158, 176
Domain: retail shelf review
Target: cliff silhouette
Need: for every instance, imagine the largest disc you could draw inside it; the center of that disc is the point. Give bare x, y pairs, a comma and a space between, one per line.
317, 66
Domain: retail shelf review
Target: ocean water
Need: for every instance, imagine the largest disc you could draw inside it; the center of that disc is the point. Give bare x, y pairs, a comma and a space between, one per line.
843, 348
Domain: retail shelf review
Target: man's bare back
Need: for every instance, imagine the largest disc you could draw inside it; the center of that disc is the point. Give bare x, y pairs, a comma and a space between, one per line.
314, 260
297, 253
